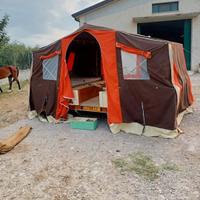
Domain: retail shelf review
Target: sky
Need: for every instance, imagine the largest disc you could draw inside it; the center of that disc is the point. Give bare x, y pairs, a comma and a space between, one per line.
40, 22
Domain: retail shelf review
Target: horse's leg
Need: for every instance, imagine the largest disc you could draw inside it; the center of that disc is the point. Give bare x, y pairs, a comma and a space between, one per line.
10, 82
15, 75
1, 90
18, 84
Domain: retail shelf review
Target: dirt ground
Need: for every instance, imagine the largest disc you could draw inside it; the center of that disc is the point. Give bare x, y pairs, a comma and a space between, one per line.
56, 162
13, 105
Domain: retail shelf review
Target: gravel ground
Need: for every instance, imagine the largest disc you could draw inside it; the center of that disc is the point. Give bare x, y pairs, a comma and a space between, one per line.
56, 162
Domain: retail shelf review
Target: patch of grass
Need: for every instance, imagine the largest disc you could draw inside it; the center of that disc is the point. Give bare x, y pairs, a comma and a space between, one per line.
143, 165
139, 163
120, 163
170, 167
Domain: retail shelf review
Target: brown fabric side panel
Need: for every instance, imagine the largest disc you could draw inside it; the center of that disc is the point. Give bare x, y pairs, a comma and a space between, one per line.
140, 42
157, 94
43, 96
184, 80
43, 93
37, 62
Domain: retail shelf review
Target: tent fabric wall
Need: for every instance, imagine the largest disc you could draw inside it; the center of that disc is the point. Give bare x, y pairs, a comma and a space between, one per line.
157, 94
155, 102
182, 77
43, 93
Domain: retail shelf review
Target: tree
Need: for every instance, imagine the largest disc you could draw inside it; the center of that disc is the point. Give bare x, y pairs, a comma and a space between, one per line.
16, 54
4, 39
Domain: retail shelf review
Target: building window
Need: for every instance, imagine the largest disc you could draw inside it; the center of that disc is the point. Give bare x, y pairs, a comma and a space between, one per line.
50, 68
165, 7
134, 66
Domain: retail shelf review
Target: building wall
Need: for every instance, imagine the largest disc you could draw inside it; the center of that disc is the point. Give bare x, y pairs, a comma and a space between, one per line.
124, 14
196, 43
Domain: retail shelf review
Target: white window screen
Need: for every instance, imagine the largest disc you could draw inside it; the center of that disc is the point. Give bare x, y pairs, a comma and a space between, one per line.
50, 68
134, 66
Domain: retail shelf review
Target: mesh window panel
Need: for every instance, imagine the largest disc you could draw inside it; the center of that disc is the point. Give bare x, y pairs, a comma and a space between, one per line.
50, 68
134, 66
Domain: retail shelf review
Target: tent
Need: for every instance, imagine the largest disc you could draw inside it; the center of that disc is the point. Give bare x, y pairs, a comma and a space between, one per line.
142, 83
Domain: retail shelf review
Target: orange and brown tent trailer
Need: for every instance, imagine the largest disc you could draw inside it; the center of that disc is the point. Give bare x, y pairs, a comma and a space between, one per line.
144, 80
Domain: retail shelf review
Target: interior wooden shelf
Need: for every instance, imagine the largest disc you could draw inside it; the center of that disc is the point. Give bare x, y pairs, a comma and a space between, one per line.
89, 95
94, 102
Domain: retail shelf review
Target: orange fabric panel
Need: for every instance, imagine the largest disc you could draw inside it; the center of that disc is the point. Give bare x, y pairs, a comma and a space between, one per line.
50, 55
107, 41
190, 95
65, 91
181, 61
70, 61
181, 77
146, 54
176, 78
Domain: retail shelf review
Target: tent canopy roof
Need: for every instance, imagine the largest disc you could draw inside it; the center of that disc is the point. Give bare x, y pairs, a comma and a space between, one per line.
87, 27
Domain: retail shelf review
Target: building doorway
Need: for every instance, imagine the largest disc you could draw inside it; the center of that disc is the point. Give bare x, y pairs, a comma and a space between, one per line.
176, 31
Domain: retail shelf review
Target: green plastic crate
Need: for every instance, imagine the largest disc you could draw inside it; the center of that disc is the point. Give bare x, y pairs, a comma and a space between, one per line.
83, 123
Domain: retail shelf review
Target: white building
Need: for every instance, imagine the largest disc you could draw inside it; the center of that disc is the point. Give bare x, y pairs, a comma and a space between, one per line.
176, 20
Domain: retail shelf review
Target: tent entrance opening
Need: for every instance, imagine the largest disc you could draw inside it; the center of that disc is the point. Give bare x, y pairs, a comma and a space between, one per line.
84, 65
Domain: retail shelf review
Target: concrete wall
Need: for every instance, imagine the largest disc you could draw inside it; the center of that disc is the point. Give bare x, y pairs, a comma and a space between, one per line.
125, 14
196, 43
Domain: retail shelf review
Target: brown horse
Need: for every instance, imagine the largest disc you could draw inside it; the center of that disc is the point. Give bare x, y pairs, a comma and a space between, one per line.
10, 72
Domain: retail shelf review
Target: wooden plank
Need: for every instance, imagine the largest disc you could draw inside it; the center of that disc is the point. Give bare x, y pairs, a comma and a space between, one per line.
88, 93
88, 109
93, 102
91, 109
9, 143
104, 110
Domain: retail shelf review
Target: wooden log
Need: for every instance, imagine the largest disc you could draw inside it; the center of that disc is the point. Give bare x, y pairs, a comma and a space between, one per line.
9, 143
